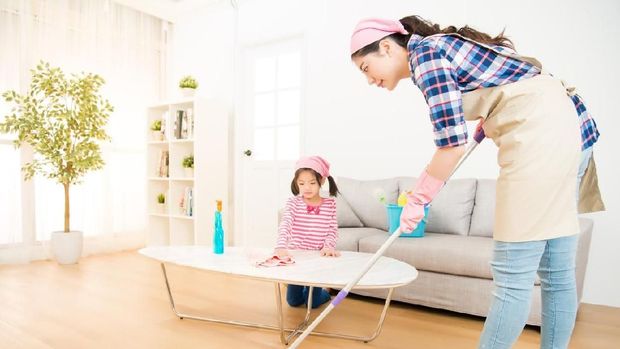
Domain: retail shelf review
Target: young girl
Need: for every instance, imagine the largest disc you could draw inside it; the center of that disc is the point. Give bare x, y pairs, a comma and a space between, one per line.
541, 128
309, 222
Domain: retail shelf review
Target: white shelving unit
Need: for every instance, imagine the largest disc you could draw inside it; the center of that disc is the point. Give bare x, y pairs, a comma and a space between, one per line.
208, 142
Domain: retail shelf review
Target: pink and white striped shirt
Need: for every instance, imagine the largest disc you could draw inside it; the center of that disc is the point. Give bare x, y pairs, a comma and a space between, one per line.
305, 227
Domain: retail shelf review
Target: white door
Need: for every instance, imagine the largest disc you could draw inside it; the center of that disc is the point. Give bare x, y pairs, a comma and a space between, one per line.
268, 139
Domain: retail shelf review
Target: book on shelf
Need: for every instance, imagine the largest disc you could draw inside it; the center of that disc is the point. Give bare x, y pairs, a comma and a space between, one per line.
164, 164
184, 124
186, 202
164, 117
190, 123
178, 124
189, 194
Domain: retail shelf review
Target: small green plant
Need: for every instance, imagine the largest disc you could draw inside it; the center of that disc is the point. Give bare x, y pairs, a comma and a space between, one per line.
156, 125
161, 198
188, 161
188, 82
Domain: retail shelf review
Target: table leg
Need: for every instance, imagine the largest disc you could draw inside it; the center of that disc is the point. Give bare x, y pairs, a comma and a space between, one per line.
202, 318
293, 332
302, 325
163, 269
364, 339
280, 316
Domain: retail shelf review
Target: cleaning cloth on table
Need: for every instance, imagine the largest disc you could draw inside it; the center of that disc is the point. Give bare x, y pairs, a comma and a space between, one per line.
275, 261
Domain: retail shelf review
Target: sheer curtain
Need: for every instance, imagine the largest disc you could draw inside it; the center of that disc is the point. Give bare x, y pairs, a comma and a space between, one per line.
128, 49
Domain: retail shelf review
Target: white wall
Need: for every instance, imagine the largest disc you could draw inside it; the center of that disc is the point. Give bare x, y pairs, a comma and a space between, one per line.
575, 40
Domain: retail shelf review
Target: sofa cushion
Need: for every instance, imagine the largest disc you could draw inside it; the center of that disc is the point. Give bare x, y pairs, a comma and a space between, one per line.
483, 216
344, 213
440, 253
363, 197
348, 238
451, 209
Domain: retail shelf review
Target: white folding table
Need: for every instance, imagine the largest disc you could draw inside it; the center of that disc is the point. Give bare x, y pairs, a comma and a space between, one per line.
310, 269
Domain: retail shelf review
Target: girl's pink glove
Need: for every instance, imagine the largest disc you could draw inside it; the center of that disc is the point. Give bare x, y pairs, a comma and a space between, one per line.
425, 190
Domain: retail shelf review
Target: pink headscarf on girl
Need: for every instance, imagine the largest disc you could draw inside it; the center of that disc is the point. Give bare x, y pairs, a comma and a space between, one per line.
317, 163
370, 30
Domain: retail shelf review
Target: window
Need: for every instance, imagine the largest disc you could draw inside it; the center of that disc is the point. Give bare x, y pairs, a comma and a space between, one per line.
10, 194
277, 103
128, 49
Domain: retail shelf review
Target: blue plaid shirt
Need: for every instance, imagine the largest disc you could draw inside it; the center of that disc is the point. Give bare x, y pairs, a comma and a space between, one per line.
445, 66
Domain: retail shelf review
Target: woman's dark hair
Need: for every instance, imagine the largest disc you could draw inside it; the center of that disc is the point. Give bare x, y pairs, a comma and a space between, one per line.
333, 189
420, 26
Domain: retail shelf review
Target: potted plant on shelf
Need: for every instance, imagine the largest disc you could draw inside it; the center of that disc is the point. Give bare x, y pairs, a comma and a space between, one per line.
188, 85
156, 131
188, 165
63, 119
161, 203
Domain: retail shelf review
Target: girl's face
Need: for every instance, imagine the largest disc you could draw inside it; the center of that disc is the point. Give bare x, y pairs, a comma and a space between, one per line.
386, 67
308, 185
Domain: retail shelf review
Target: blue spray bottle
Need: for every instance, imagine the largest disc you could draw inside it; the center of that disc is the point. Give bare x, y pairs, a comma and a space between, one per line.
218, 231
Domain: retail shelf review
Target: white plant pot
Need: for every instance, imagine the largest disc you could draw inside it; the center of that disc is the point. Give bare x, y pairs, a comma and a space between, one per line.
188, 92
189, 172
161, 208
157, 136
67, 247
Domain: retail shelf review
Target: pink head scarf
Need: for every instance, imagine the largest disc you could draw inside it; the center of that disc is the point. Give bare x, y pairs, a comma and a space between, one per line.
317, 163
370, 30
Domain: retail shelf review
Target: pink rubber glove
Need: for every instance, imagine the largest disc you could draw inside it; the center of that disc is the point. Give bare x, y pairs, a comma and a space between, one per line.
425, 190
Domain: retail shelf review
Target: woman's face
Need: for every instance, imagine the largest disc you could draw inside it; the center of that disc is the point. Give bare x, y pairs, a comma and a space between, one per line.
383, 68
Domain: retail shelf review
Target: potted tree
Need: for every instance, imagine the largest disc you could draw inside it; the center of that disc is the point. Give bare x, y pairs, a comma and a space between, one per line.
156, 129
188, 85
188, 165
63, 119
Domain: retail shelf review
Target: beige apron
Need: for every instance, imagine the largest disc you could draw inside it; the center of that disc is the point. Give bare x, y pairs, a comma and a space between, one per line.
535, 127
590, 199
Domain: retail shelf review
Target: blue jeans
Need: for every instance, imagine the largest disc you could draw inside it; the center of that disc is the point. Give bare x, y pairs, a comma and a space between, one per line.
297, 295
515, 265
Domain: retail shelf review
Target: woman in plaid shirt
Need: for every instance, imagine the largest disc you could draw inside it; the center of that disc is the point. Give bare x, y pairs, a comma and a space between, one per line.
544, 135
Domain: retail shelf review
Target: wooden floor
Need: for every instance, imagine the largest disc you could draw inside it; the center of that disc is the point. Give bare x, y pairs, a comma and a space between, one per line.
119, 301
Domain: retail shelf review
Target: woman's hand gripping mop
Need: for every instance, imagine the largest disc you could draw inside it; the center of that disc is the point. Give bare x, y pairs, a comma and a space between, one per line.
478, 137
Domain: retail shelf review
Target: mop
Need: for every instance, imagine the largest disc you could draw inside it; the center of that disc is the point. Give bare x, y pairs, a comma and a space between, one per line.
478, 137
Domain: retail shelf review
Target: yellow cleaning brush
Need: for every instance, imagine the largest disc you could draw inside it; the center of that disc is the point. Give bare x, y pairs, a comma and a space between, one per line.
402, 199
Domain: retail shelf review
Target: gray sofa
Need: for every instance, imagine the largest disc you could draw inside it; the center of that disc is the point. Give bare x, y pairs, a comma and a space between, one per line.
453, 257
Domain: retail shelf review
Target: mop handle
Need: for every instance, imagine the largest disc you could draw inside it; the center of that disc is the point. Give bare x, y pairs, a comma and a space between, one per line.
478, 137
